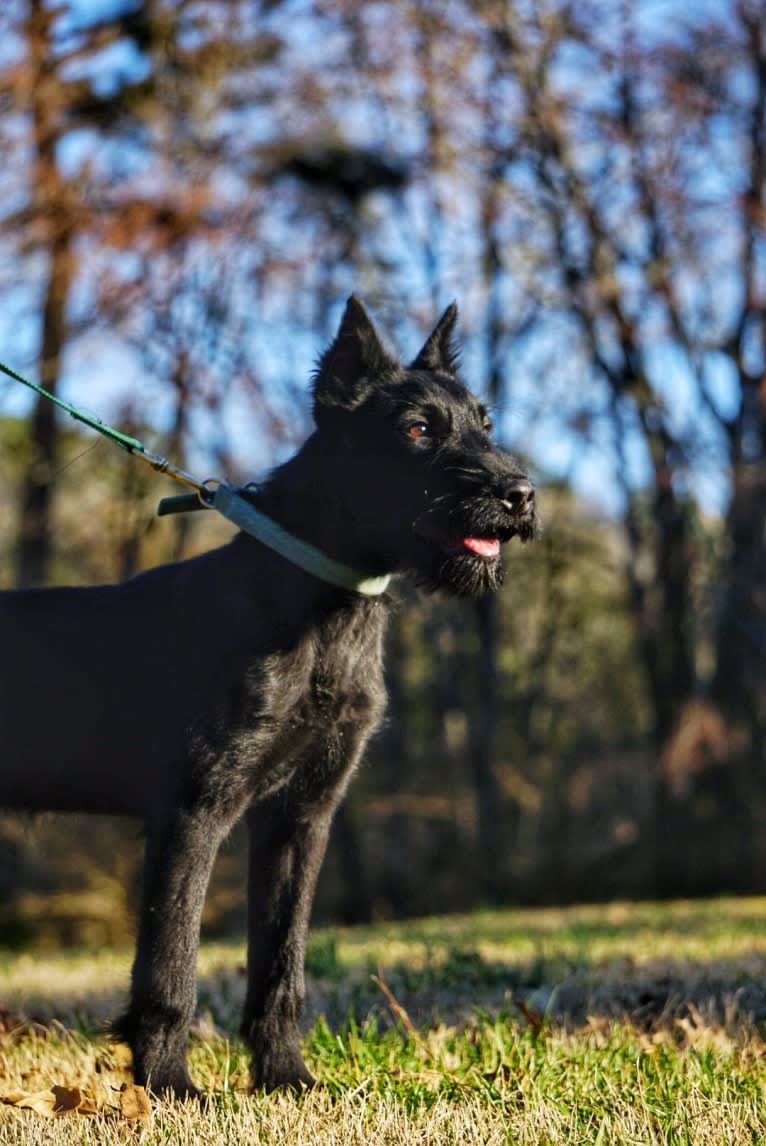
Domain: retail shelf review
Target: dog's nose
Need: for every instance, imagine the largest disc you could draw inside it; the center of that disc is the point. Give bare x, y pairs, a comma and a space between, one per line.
516, 494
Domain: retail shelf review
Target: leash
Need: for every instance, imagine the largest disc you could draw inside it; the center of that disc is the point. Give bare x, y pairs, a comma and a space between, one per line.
132, 445
228, 501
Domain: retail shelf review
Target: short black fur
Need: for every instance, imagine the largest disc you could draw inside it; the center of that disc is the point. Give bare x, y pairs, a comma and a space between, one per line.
235, 684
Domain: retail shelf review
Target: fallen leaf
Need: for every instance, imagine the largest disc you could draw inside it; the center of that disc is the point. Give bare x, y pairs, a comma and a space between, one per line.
53, 1102
66, 1098
134, 1103
41, 1101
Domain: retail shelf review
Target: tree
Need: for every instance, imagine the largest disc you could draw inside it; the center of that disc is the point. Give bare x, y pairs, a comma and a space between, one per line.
116, 160
640, 242
50, 94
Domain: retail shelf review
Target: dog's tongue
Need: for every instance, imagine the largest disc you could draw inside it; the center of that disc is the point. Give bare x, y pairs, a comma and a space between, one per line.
484, 546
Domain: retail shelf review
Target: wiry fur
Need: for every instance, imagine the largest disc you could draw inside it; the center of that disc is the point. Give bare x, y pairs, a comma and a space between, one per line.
236, 684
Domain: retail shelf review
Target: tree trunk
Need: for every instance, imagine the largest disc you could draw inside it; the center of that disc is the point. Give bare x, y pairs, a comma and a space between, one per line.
395, 878
483, 741
740, 680
34, 534
50, 197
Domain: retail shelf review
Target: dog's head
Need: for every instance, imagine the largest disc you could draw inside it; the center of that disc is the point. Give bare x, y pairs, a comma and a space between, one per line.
423, 486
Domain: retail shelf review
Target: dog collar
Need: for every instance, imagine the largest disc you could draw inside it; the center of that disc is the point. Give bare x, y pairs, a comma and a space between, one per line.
230, 503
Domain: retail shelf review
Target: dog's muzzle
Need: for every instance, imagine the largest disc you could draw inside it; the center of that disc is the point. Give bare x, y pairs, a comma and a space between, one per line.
516, 495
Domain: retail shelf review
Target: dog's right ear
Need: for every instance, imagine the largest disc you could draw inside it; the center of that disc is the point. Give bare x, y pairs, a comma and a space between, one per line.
348, 367
440, 354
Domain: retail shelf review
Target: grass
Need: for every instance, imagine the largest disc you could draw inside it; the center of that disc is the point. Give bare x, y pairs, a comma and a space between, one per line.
616, 1024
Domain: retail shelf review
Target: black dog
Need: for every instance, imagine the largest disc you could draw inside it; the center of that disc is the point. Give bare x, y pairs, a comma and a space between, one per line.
238, 682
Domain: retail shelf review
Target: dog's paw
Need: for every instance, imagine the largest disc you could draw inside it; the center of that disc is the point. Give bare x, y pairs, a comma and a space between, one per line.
290, 1075
176, 1086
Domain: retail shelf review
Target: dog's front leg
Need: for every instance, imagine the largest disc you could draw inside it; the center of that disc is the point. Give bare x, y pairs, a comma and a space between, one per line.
180, 851
288, 837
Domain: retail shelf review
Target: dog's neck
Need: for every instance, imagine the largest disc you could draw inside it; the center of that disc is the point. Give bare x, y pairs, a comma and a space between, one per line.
235, 506
298, 513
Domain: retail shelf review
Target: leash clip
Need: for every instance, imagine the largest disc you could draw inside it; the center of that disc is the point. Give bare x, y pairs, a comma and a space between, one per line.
202, 498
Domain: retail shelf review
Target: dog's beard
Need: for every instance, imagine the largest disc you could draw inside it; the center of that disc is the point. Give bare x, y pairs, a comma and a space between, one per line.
466, 575
451, 565
461, 574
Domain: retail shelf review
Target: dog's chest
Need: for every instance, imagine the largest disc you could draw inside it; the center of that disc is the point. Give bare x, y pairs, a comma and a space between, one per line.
305, 704
338, 670
332, 678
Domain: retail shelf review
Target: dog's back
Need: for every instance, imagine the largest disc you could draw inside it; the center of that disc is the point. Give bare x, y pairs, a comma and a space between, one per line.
102, 689
98, 685
80, 672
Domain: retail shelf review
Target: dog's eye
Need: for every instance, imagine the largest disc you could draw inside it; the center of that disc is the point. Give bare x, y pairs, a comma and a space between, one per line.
419, 430
488, 427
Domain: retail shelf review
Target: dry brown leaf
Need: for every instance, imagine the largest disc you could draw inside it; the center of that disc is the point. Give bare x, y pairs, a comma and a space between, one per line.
134, 1103
66, 1098
53, 1102
41, 1101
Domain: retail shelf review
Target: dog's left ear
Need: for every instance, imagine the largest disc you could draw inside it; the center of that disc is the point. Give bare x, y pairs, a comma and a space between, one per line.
439, 352
348, 367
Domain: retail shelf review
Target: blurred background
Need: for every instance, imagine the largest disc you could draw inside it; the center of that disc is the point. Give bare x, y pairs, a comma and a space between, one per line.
189, 191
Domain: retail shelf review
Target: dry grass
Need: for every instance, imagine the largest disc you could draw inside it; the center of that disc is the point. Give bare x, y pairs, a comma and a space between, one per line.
624, 1024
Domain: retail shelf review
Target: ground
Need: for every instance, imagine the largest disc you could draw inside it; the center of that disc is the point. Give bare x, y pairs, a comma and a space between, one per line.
622, 1023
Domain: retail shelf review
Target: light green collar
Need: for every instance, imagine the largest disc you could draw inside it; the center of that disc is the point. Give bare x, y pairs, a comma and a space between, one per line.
229, 502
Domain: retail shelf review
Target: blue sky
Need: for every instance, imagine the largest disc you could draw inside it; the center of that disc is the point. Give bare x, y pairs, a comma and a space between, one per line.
101, 369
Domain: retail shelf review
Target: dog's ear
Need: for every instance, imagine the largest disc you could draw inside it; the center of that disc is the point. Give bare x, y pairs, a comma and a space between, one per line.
349, 366
439, 351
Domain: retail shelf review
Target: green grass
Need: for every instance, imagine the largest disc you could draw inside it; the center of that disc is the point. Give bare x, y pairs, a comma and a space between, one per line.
617, 1024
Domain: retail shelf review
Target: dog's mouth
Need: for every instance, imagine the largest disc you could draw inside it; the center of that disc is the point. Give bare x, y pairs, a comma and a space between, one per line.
486, 547
483, 542
462, 540
469, 534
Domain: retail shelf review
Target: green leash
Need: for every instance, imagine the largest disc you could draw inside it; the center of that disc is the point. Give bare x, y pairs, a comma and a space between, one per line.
124, 441
228, 501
